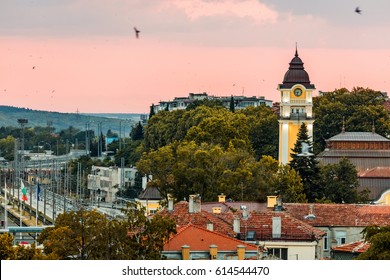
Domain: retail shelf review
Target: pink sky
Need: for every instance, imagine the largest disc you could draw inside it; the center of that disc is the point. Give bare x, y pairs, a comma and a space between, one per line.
89, 59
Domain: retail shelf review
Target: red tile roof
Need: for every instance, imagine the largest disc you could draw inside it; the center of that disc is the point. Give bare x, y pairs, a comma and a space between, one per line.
358, 215
201, 219
291, 228
259, 222
200, 239
355, 247
377, 172
233, 206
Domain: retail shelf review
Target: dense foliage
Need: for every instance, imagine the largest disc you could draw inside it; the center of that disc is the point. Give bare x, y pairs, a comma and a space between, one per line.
359, 109
379, 239
89, 235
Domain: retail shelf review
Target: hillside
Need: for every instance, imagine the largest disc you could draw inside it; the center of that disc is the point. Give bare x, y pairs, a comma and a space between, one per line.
9, 117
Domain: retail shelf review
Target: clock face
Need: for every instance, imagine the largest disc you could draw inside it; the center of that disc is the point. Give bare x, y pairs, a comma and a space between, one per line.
298, 92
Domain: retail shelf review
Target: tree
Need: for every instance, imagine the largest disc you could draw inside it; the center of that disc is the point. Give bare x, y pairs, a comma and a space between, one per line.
340, 182
287, 183
160, 164
18, 252
137, 132
221, 129
152, 113
162, 129
211, 103
76, 235
263, 130
231, 106
379, 239
306, 166
146, 236
359, 109
90, 235
7, 147
111, 134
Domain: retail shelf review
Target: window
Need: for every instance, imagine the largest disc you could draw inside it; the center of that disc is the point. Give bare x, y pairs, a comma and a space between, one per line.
326, 242
341, 237
250, 235
280, 253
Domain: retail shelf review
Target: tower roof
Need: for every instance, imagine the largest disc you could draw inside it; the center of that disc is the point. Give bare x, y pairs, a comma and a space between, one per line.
296, 74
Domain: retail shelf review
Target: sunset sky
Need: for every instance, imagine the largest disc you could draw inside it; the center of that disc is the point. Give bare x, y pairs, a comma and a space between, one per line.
82, 55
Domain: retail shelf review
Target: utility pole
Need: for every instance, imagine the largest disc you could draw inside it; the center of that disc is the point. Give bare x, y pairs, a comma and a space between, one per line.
22, 123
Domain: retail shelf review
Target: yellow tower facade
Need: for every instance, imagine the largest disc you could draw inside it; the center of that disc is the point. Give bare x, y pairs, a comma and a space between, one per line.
296, 107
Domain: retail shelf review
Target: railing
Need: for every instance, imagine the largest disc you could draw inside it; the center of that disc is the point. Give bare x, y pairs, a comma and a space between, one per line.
297, 116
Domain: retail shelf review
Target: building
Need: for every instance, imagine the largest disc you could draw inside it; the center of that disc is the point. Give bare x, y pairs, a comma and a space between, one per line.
284, 236
196, 243
240, 102
368, 151
107, 183
149, 198
342, 223
296, 107
350, 251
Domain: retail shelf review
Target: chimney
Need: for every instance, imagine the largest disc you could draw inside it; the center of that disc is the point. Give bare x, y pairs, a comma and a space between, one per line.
236, 225
170, 203
241, 252
194, 203
271, 201
221, 197
210, 226
185, 252
217, 210
279, 204
213, 251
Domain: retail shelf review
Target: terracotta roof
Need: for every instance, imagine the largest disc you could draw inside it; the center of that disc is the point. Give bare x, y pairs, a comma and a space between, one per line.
229, 206
258, 222
377, 172
355, 247
200, 239
291, 228
201, 219
355, 215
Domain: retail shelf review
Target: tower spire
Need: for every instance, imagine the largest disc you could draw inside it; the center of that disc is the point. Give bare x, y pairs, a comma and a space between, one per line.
296, 49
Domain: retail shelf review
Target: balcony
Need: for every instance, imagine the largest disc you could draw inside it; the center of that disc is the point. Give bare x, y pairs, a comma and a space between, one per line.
297, 116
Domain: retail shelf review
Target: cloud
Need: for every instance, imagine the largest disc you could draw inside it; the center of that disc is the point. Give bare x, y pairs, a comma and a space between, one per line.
253, 9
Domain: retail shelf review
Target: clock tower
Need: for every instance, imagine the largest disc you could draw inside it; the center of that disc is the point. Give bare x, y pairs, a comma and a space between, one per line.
296, 107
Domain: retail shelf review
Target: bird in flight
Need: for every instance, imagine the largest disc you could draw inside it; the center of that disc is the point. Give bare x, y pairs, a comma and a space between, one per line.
357, 10
136, 32
33, 67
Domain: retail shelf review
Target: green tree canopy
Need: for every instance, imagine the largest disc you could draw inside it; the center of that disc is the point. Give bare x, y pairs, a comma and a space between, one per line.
340, 182
379, 239
263, 130
359, 108
90, 235
137, 132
